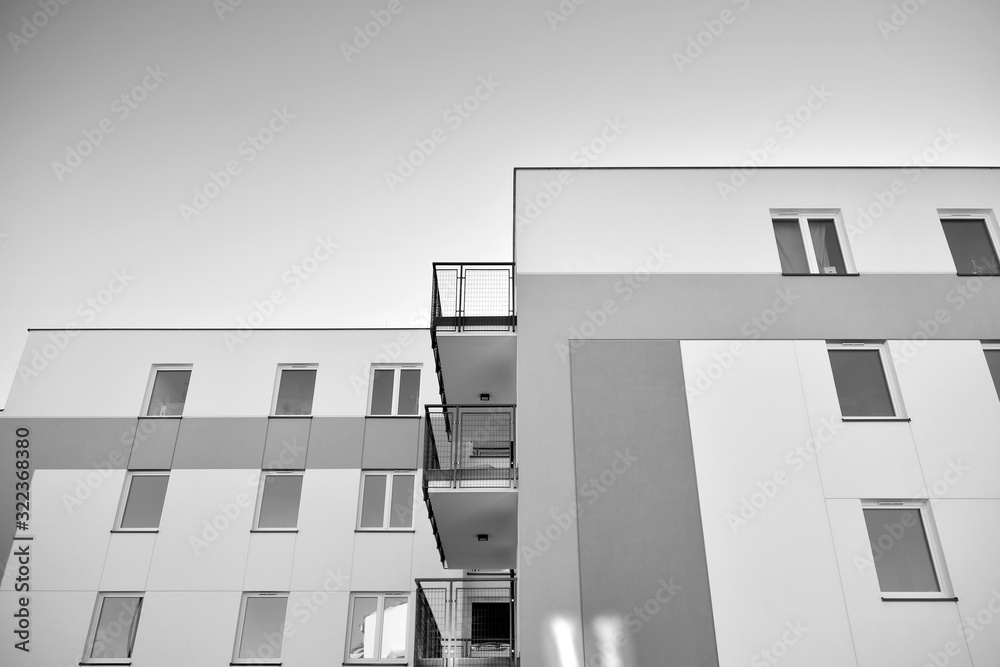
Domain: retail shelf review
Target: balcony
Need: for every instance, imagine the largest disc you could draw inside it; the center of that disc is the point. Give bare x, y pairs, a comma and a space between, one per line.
470, 484
473, 327
465, 622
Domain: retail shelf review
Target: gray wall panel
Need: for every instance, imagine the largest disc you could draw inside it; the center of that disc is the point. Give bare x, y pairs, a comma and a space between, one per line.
642, 549
391, 442
222, 442
287, 443
153, 447
336, 442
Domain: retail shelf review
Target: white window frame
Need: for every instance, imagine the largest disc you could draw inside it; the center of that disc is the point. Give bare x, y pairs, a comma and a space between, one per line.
803, 216
380, 618
396, 368
95, 619
933, 546
277, 386
888, 369
239, 629
260, 497
984, 214
152, 382
390, 476
126, 487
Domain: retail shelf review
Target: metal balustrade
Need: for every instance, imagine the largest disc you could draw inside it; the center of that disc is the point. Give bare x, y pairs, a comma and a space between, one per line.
465, 622
469, 446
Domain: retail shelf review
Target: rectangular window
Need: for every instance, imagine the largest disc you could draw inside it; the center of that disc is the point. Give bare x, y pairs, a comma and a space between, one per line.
168, 387
490, 627
293, 393
278, 501
811, 243
972, 247
386, 500
260, 630
992, 352
142, 501
907, 556
395, 390
377, 627
866, 384
112, 628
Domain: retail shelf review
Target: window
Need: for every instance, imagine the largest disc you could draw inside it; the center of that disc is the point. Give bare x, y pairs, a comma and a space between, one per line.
377, 629
278, 501
866, 385
386, 500
972, 247
811, 243
490, 629
905, 550
142, 501
395, 390
293, 394
167, 391
260, 629
112, 629
992, 352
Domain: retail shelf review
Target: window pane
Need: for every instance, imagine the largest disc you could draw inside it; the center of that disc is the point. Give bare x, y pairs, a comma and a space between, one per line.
394, 628
409, 391
382, 391
899, 546
363, 623
491, 622
790, 247
971, 247
263, 627
993, 361
116, 627
169, 391
279, 504
861, 384
295, 392
829, 258
144, 503
401, 510
373, 501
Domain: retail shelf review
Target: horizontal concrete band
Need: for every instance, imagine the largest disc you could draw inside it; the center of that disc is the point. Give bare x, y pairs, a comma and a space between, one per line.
216, 442
757, 306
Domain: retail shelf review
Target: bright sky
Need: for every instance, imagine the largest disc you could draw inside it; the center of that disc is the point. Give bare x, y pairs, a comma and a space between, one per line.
98, 191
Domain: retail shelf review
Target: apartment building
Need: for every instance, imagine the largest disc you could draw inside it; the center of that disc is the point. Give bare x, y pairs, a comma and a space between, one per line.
703, 417
196, 501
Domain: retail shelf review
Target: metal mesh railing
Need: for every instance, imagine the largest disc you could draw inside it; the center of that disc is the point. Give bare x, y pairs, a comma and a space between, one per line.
473, 297
470, 446
465, 622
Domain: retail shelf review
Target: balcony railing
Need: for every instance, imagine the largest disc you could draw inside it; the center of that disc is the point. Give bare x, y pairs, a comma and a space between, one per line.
464, 622
469, 446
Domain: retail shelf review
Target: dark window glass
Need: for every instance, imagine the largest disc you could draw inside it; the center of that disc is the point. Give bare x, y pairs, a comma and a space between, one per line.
382, 391
971, 247
263, 627
409, 391
861, 383
279, 503
295, 392
169, 393
790, 247
993, 361
829, 257
144, 503
899, 546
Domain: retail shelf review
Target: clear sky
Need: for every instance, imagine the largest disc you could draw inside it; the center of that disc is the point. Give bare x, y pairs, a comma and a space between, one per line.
300, 116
